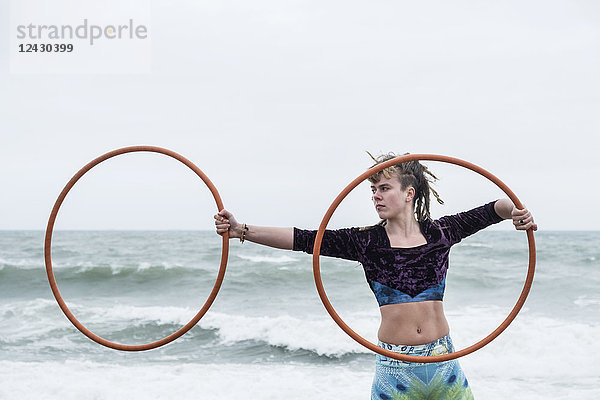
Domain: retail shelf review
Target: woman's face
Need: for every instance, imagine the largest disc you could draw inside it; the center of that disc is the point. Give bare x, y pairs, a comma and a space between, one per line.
389, 198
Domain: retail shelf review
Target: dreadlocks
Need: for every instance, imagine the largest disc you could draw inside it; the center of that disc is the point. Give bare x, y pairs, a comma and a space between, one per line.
411, 173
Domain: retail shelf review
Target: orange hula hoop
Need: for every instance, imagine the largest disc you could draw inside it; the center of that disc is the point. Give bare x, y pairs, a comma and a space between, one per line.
48, 250
387, 353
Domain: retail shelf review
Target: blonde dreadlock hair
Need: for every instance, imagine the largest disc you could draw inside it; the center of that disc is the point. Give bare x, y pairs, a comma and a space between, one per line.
411, 173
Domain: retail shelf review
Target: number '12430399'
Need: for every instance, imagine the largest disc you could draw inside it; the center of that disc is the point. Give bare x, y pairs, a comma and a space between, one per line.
45, 48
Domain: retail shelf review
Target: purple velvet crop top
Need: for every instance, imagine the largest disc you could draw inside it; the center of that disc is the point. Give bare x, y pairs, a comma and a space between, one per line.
401, 275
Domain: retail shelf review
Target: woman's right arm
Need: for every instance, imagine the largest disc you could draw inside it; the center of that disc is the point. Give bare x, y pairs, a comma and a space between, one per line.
281, 238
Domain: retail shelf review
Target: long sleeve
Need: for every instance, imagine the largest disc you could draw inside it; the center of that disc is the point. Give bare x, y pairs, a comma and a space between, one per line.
340, 243
458, 226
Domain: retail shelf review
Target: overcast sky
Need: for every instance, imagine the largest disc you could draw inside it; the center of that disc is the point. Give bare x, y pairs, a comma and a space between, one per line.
277, 101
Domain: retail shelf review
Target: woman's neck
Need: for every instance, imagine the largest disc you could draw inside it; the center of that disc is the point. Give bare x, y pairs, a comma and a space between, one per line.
403, 226
404, 233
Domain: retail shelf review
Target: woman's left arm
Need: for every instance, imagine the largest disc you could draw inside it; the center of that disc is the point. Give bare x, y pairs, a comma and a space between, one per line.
522, 219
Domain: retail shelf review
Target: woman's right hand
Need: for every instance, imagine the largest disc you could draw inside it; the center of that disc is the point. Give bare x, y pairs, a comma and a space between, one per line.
281, 238
226, 222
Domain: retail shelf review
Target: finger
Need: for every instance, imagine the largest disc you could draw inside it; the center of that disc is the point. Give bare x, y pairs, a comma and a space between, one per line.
516, 212
224, 213
518, 215
224, 225
222, 229
220, 220
523, 226
526, 225
522, 220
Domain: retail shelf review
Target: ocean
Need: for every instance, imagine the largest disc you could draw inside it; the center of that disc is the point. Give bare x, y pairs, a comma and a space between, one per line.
267, 335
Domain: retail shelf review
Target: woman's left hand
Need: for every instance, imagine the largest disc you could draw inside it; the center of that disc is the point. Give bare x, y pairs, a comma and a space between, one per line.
522, 219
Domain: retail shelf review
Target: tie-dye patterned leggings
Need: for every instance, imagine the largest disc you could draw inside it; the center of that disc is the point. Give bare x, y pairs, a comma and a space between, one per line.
396, 380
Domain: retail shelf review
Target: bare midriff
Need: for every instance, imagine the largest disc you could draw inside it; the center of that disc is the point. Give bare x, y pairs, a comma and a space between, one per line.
412, 323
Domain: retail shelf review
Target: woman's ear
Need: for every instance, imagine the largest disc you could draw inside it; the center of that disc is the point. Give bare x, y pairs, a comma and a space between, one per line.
410, 194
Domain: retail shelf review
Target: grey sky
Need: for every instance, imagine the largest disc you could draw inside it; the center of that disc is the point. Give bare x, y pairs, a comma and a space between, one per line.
277, 101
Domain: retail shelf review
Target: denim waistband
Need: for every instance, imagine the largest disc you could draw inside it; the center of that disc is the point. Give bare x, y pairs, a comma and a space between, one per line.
438, 347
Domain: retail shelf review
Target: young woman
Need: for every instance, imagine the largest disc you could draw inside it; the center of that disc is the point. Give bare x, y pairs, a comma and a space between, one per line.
405, 258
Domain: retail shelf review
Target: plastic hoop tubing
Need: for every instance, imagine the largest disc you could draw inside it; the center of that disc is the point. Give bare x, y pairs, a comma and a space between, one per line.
48, 248
372, 346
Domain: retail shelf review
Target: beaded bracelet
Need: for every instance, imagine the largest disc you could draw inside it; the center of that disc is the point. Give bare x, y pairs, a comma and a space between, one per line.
244, 230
